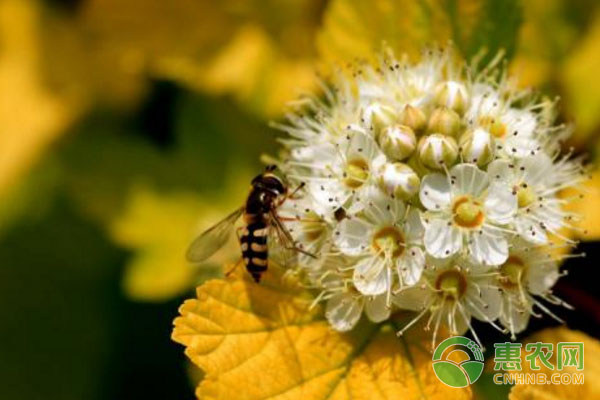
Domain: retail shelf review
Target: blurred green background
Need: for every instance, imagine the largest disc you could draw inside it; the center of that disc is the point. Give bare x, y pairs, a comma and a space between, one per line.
126, 126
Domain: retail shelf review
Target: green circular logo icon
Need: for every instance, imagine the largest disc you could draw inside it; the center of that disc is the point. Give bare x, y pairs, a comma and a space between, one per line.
458, 374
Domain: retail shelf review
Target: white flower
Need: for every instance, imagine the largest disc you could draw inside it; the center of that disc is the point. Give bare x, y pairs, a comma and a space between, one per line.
536, 180
518, 134
344, 304
486, 104
430, 163
309, 223
343, 176
527, 273
386, 240
466, 212
451, 291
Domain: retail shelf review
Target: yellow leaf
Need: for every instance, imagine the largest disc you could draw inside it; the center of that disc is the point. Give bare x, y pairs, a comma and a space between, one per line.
581, 82
261, 52
545, 36
591, 369
359, 28
251, 67
31, 116
261, 341
158, 228
586, 207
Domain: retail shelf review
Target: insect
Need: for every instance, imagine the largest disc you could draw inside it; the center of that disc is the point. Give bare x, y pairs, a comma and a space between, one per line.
260, 217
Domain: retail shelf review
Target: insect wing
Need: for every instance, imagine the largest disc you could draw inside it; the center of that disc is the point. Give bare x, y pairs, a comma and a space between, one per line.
213, 238
282, 245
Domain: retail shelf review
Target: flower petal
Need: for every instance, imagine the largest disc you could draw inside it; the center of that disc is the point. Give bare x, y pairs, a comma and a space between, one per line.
413, 298
513, 317
343, 311
530, 230
414, 228
461, 321
488, 247
542, 275
500, 171
352, 236
435, 192
536, 169
382, 209
500, 203
468, 179
410, 266
442, 239
371, 276
376, 309
485, 302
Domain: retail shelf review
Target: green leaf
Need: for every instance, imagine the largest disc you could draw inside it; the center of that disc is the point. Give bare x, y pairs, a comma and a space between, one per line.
490, 25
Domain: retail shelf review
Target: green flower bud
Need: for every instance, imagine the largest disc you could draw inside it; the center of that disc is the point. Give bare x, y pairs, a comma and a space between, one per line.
437, 150
477, 146
444, 121
452, 95
378, 116
398, 180
397, 141
414, 118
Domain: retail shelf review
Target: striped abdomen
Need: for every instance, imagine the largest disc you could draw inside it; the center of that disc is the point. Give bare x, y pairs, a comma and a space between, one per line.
255, 250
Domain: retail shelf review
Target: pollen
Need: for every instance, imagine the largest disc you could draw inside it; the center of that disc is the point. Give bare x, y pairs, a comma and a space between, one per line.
525, 196
468, 213
451, 284
512, 272
388, 241
356, 173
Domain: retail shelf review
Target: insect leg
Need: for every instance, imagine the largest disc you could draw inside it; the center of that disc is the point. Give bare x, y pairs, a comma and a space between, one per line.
291, 244
232, 269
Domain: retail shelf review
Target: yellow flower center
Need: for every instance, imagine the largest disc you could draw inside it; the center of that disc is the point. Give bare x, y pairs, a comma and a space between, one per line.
512, 272
451, 284
525, 196
312, 226
388, 240
493, 125
356, 173
467, 212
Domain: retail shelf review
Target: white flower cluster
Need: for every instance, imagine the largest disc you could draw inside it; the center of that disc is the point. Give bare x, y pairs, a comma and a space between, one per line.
430, 188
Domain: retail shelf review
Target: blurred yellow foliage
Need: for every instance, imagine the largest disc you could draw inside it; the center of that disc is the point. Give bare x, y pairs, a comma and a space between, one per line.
581, 82
558, 52
228, 47
31, 116
358, 29
587, 207
260, 341
544, 38
591, 387
252, 69
159, 227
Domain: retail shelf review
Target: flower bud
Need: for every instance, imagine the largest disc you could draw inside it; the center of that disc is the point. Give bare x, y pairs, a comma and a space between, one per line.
452, 95
444, 121
477, 146
397, 141
378, 116
414, 118
437, 150
398, 180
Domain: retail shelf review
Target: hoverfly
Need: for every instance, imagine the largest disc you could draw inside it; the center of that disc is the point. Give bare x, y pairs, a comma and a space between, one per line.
260, 217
